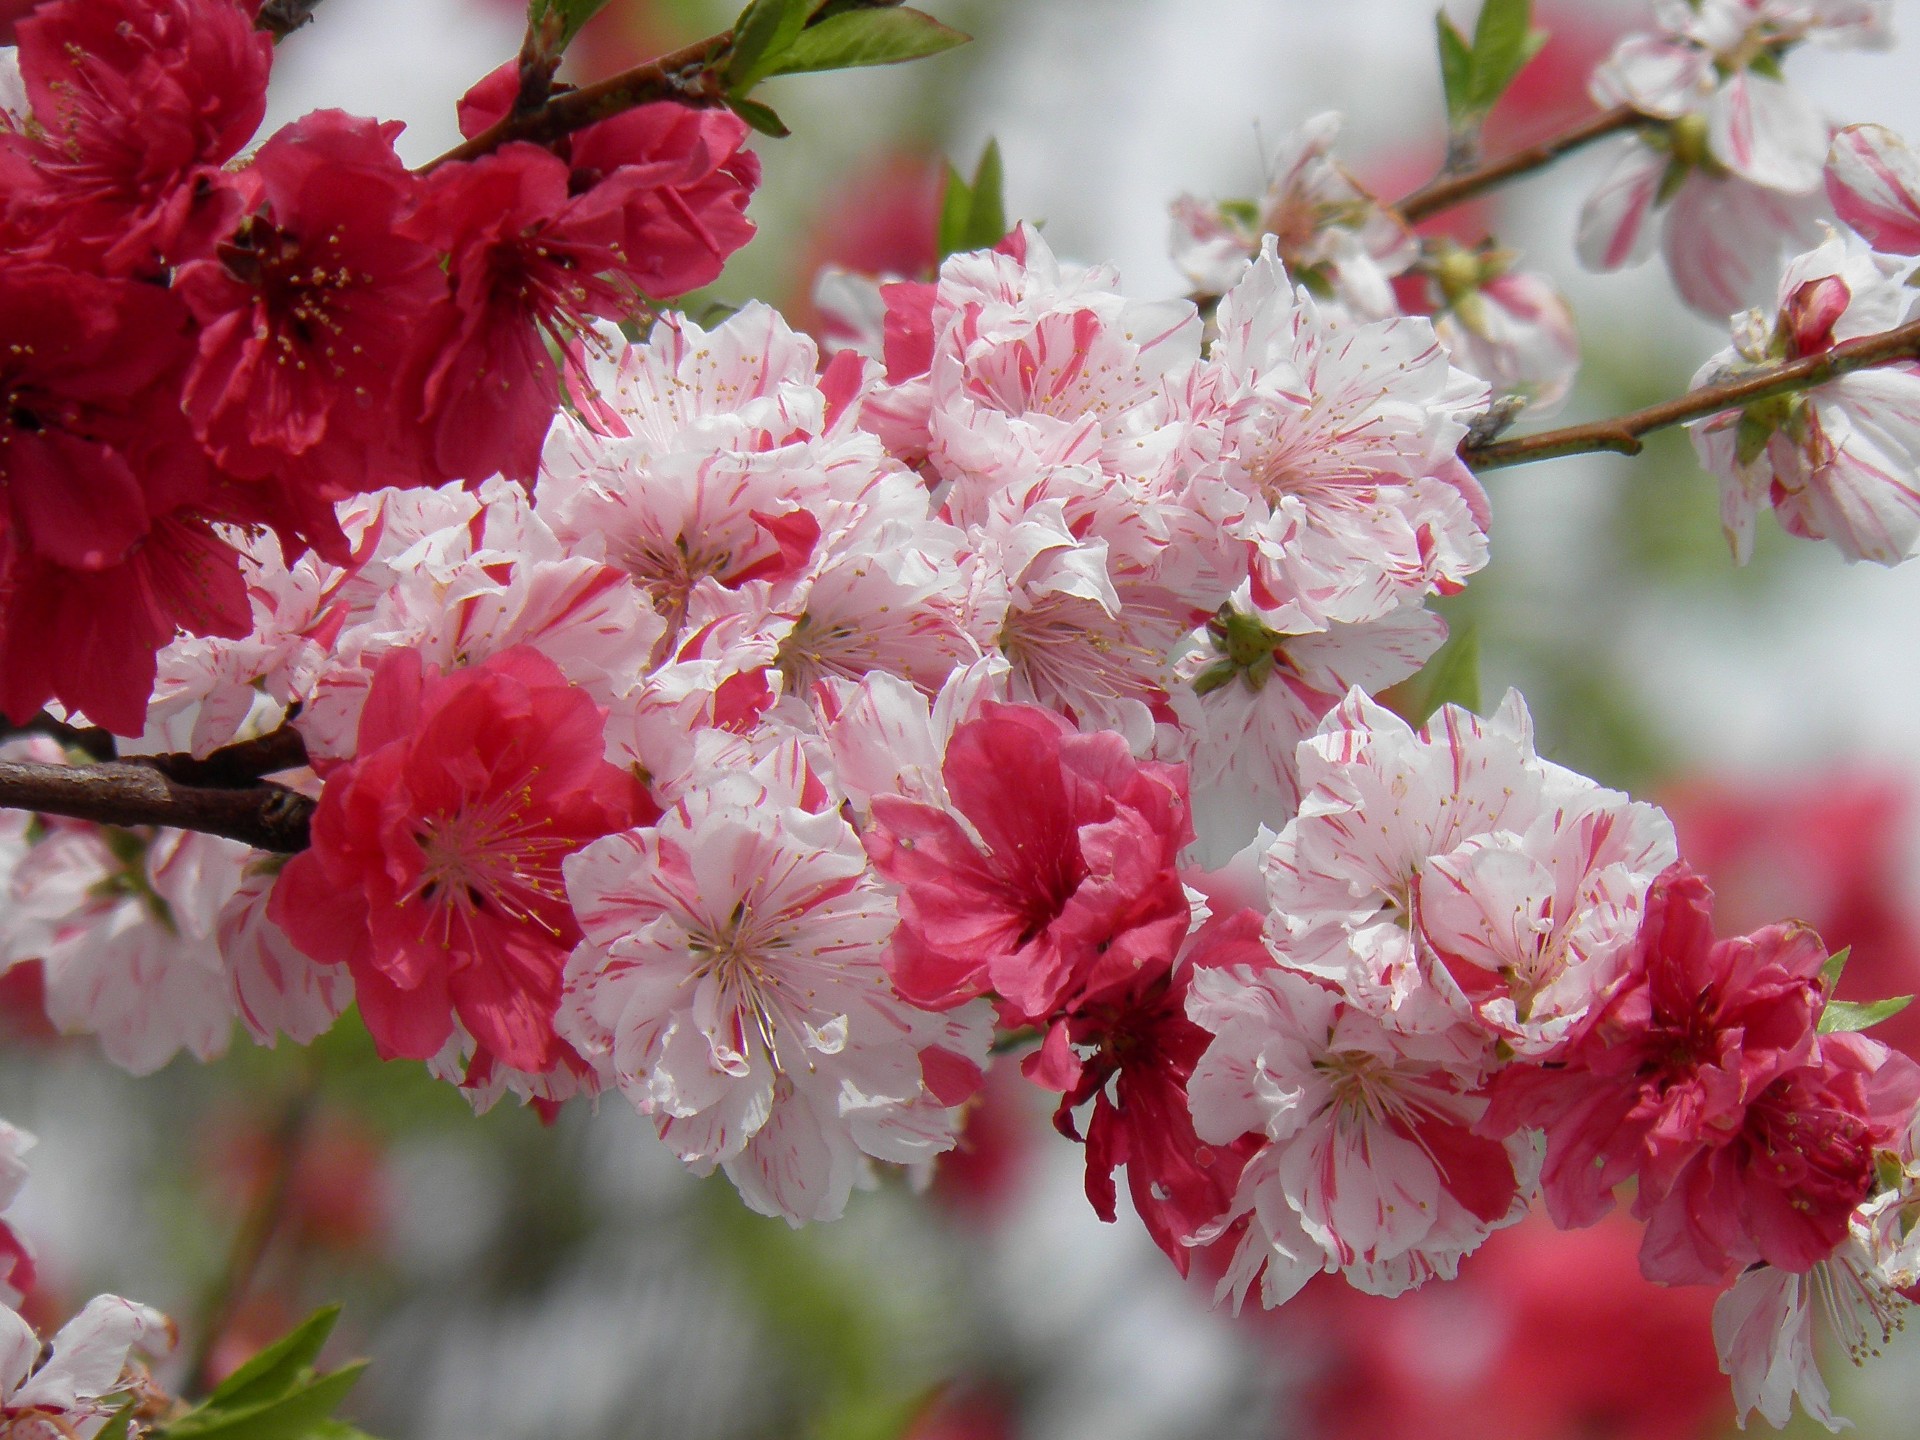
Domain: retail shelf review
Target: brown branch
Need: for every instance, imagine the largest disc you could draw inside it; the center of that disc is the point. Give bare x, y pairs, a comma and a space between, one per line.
91, 741
280, 18
237, 765
689, 76
265, 816
1622, 433
1445, 191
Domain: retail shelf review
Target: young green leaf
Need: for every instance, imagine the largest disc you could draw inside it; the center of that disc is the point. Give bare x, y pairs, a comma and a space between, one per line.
956, 210
973, 216
1844, 1015
1451, 677
866, 37
292, 1416
988, 224
571, 14
761, 35
280, 1366
1499, 48
1831, 971
827, 9
1456, 70
760, 117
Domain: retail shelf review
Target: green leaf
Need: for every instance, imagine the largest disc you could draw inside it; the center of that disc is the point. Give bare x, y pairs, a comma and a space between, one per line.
119, 1424
974, 216
571, 15
279, 1367
295, 1415
1451, 677
760, 117
1499, 48
761, 35
1843, 1015
827, 9
956, 211
1830, 972
1456, 69
866, 37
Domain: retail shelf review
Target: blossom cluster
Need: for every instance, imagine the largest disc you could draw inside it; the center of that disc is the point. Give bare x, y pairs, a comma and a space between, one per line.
765, 737
195, 344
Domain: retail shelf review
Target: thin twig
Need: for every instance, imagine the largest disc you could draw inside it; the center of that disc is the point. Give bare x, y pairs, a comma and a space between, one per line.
1622, 433
1445, 191
229, 1288
124, 792
688, 75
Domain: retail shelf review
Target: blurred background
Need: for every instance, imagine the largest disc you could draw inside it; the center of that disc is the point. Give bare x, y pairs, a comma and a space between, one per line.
571, 1282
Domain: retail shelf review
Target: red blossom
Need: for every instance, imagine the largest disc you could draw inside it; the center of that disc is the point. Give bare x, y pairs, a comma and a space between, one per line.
1071, 884
1666, 1069
105, 545
435, 869
138, 104
1140, 1052
308, 310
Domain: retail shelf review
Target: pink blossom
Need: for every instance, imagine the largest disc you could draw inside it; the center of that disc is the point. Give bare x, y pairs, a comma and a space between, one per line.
123, 923
307, 312
1367, 1161
1735, 168
1836, 461
1129, 1047
1873, 179
1337, 470
434, 875
731, 982
1451, 879
86, 1370
1334, 236
1049, 873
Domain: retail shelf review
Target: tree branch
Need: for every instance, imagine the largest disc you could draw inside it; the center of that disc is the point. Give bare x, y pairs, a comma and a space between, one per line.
237, 765
280, 18
688, 75
1445, 191
1622, 433
122, 792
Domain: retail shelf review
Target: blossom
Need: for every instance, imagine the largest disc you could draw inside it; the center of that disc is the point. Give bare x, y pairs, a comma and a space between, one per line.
16, 1261
1667, 1067
136, 105
1764, 1324
1049, 871
1334, 236
730, 980
1835, 461
105, 549
123, 923
1735, 166
434, 875
1783, 1187
1873, 179
1337, 470
307, 311
1452, 879
86, 1371
1367, 1163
